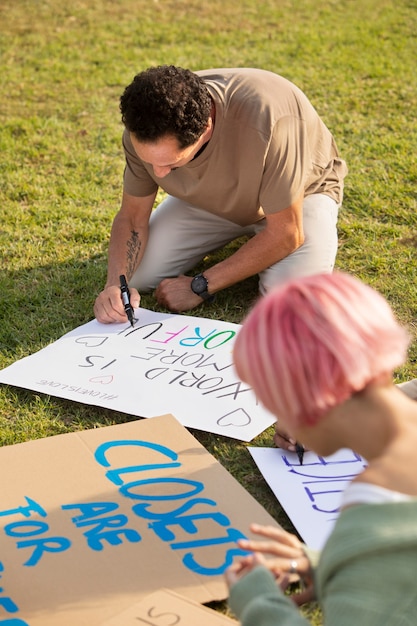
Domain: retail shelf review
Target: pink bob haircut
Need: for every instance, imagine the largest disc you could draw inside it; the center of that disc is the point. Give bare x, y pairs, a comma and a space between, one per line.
312, 342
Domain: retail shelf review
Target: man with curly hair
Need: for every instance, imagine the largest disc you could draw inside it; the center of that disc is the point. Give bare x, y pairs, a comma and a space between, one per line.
239, 153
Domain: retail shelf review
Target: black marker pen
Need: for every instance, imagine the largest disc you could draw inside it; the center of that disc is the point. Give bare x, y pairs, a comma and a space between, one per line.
300, 452
126, 300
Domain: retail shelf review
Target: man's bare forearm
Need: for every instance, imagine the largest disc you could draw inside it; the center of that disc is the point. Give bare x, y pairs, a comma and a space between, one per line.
282, 235
125, 252
133, 247
128, 238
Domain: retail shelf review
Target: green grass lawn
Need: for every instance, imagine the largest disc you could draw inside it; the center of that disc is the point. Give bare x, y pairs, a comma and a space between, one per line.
63, 68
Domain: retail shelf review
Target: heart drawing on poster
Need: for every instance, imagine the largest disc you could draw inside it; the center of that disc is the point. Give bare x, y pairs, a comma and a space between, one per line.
102, 380
91, 342
239, 417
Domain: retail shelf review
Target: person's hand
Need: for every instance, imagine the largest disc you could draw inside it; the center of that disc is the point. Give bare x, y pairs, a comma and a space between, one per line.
108, 307
283, 440
176, 294
241, 567
287, 559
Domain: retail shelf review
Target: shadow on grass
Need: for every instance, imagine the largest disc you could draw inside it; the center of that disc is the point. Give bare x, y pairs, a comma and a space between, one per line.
40, 304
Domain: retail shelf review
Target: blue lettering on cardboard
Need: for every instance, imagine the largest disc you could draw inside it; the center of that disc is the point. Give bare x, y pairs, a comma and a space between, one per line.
159, 522
107, 528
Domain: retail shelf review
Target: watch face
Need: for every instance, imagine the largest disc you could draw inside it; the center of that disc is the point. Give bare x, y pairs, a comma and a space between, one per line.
199, 284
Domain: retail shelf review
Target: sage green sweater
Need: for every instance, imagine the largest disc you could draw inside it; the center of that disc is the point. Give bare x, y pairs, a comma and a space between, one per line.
366, 575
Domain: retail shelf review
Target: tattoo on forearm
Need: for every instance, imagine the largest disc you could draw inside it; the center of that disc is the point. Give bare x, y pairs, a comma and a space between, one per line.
133, 248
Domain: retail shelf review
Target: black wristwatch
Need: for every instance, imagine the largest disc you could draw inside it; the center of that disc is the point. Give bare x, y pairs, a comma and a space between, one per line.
199, 286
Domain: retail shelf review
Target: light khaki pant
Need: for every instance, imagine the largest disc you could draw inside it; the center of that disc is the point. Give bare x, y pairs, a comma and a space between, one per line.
181, 235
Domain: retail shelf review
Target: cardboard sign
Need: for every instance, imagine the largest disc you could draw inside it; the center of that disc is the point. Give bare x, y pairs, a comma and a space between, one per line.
165, 364
93, 522
309, 493
166, 608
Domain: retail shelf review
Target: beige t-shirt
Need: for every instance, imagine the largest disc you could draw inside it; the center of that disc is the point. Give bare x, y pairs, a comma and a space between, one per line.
268, 147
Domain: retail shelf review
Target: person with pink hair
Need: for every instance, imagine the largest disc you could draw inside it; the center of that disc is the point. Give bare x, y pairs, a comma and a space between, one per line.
320, 352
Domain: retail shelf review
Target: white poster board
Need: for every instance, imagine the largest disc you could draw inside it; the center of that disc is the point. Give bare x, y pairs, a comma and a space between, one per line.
309, 493
165, 364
